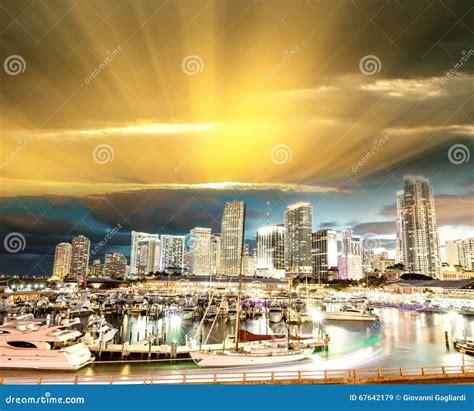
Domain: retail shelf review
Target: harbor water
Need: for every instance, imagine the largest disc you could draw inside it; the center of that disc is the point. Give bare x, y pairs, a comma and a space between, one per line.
399, 339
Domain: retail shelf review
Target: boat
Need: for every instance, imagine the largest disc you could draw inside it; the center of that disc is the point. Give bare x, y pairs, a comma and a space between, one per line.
275, 314
465, 310
465, 344
32, 346
98, 331
435, 308
349, 314
187, 313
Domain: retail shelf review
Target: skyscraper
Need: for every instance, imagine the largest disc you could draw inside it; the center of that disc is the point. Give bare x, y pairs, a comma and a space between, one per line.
215, 253
350, 262
298, 229
417, 233
172, 253
134, 252
199, 251
149, 255
323, 252
271, 251
62, 261
115, 266
460, 253
80, 257
232, 237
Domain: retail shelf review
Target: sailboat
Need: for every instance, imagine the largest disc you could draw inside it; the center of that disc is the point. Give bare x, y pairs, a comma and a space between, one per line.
267, 352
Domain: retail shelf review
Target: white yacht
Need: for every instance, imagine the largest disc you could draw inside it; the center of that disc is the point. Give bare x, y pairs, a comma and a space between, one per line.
98, 331
31, 346
349, 314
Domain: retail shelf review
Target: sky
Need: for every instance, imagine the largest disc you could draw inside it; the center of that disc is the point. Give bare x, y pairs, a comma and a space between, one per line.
149, 116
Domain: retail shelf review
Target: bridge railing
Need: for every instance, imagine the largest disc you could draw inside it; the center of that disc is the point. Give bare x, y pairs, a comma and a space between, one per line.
228, 376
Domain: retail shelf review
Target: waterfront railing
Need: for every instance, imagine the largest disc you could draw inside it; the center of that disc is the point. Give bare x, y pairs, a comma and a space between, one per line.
249, 377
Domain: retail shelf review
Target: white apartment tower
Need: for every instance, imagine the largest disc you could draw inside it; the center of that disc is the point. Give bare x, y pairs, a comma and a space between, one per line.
417, 232
62, 261
172, 253
232, 238
298, 230
80, 253
271, 251
137, 237
199, 251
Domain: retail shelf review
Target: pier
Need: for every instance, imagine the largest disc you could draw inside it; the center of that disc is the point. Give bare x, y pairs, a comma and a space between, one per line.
413, 375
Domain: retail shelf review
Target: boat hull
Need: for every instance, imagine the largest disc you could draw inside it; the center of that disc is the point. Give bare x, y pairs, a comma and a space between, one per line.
231, 359
348, 317
69, 359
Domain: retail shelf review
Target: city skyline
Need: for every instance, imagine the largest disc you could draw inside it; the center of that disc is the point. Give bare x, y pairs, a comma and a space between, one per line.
155, 123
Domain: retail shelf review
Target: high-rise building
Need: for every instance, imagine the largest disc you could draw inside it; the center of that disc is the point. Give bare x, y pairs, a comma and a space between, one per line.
460, 253
232, 237
172, 253
80, 257
199, 251
96, 269
380, 262
350, 261
135, 250
215, 253
249, 265
417, 233
323, 252
271, 251
115, 266
62, 261
149, 255
298, 230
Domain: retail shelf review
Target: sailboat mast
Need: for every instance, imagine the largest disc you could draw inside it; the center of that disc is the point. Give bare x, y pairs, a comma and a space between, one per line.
237, 320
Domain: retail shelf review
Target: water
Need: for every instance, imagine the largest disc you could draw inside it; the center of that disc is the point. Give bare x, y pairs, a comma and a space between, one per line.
400, 339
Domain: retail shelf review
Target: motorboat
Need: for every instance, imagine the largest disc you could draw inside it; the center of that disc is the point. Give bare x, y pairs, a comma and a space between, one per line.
349, 314
465, 345
33, 346
187, 313
98, 331
465, 310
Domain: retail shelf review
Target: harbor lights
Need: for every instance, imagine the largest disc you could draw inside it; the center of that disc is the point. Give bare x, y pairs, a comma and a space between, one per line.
317, 318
